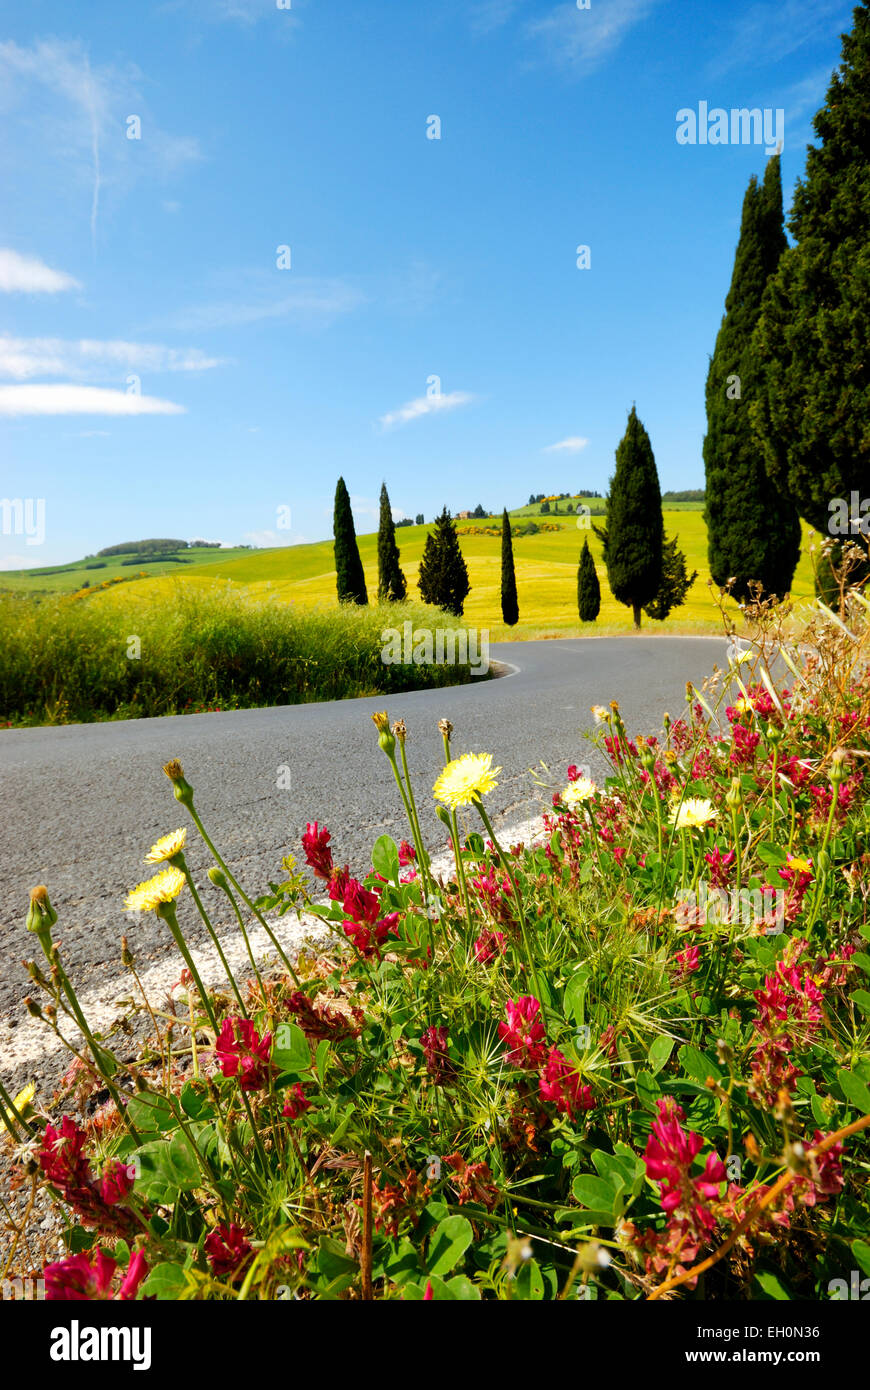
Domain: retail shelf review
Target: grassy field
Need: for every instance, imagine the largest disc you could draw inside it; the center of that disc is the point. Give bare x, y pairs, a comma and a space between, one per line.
546, 566
61, 579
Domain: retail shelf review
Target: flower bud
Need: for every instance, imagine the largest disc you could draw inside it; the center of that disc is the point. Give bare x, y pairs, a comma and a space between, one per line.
32, 1007
218, 878
734, 794
837, 773
41, 916
445, 728
400, 731
182, 789
386, 741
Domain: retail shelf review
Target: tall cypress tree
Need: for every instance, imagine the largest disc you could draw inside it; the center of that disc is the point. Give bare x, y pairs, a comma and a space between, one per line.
510, 609
588, 587
349, 577
812, 417
753, 530
443, 576
391, 580
632, 538
675, 583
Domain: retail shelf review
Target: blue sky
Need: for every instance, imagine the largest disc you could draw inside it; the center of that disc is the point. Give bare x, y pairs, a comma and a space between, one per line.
162, 375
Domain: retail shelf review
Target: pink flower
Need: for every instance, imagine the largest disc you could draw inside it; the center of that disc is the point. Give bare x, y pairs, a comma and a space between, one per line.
489, 945
428, 1294
523, 1032
669, 1155
687, 961
243, 1053
228, 1250
719, 864
137, 1272
116, 1183
296, 1103
562, 1087
318, 855
438, 1063
407, 854
364, 928
80, 1278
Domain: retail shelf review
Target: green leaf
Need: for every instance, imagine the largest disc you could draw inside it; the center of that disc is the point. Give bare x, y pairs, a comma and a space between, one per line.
290, 1051
855, 1090
322, 1059
769, 1283
385, 858
530, 1281
149, 1113
862, 999
659, 1052
648, 1089
183, 1163
769, 853
596, 1193
575, 995
450, 1240
862, 960
191, 1101
697, 1065
333, 1260
861, 1251
166, 1282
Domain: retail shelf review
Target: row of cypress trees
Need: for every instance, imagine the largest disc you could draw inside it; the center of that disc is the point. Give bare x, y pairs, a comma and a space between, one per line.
788, 388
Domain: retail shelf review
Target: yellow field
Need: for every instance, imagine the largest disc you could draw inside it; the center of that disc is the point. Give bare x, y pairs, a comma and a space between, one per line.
546, 568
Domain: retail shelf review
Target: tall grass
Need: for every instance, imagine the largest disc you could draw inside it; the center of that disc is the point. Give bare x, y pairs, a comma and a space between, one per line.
66, 660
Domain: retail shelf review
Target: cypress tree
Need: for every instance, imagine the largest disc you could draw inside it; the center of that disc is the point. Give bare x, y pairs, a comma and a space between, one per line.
588, 587
632, 538
349, 577
510, 609
753, 530
676, 581
391, 580
443, 573
812, 417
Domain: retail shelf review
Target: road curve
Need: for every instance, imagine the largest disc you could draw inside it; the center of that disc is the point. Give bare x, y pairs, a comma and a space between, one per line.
81, 803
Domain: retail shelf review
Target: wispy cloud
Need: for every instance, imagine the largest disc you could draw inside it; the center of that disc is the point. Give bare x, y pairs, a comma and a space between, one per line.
492, 14
244, 12
306, 300
64, 113
771, 30
572, 445
70, 399
425, 405
22, 358
582, 39
29, 275
269, 539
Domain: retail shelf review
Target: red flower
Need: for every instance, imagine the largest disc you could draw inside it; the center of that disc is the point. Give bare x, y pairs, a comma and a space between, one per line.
428, 1294
364, 928
669, 1154
296, 1103
116, 1183
88, 1276
243, 1053
61, 1158
407, 854
523, 1032
137, 1271
228, 1250
321, 1019
474, 1182
562, 1087
489, 945
438, 1063
688, 961
318, 855
63, 1162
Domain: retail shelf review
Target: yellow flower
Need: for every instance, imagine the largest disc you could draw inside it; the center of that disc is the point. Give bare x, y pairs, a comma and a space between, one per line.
803, 866
694, 813
466, 778
599, 714
577, 792
166, 847
23, 1102
163, 888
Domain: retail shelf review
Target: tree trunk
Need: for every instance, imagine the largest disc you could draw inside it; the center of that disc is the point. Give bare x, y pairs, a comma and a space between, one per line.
635, 608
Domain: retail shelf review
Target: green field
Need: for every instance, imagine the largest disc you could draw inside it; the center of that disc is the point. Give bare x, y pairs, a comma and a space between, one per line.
59, 579
546, 566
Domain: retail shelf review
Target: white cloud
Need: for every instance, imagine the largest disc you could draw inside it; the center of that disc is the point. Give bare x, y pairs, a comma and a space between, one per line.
582, 39
19, 562
267, 540
572, 445
307, 300
29, 275
492, 14
425, 405
22, 358
70, 399
67, 121
767, 32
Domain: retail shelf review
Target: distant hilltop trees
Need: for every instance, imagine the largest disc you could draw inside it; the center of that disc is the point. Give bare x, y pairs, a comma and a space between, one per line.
156, 547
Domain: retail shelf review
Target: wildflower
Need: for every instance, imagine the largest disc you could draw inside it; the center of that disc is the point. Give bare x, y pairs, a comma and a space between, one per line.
438, 1063
688, 961
243, 1053
692, 814
41, 916
323, 1018
669, 1155
116, 1183
318, 855
182, 789
166, 847
63, 1161
489, 945
600, 714
475, 1182
561, 1086
365, 928
394, 1201
87, 1277
574, 795
407, 854
296, 1103
523, 1032
149, 896
428, 1295
719, 864
466, 779
386, 740
228, 1250
496, 895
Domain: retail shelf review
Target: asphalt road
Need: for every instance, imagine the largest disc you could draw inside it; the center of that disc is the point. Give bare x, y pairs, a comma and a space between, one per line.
81, 804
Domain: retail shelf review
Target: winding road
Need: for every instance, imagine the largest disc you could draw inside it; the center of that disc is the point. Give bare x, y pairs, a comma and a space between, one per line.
82, 803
